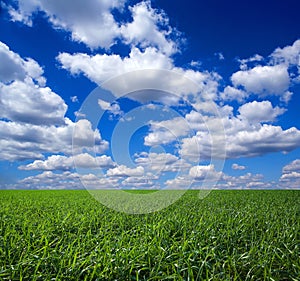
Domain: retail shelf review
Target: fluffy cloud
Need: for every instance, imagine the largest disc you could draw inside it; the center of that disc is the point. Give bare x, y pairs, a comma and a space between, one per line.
32, 116
166, 131
123, 171
23, 96
111, 108
231, 93
257, 112
294, 166
91, 23
204, 173
94, 24
99, 68
145, 29
289, 55
238, 167
60, 162
145, 182
66, 180
263, 80
161, 162
147, 69
13, 67
24, 102
290, 177
243, 139
27, 141
244, 62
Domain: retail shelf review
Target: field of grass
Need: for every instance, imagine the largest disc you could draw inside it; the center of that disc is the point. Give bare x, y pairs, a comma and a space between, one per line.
229, 235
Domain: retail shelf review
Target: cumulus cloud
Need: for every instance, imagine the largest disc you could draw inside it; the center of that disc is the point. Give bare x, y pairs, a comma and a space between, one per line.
243, 139
99, 68
244, 62
230, 94
32, 116
204, 172
167, 131
114, 108
95, 25
147, 69
23, 95
91, 23
60, 162
149, 27
294, 166
145, 182
13, 67
289, 55
161, 162
27, 141
257, 112
123, 171
290, 177
263, 80
66, 180
22, 101
237, 167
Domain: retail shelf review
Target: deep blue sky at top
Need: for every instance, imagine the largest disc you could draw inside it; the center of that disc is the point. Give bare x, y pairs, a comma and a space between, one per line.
237, 29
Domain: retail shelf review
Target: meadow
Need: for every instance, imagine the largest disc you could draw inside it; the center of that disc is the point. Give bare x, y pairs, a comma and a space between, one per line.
228, 235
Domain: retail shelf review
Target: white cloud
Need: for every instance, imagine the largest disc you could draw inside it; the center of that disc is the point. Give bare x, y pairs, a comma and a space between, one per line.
89, 22
123, 171
27, 141
94, 24
140, 182
220, 56
242, 140
147, 69
13, 67
33, 116
289, 55
290, 177
66, 180
263, 80
99, 68
74, 99
205, 173
111, 108
146, 29
161, 162
257, 112
60, 162
23, 101
294, 166
23, 95
164, 132
246, 181
244, 62
237, 167
231, 94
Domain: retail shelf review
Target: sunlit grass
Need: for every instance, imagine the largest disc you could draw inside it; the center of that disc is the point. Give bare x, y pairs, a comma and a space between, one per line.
229, 235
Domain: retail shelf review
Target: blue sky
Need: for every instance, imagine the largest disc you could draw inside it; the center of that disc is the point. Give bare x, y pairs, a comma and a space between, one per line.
149, 94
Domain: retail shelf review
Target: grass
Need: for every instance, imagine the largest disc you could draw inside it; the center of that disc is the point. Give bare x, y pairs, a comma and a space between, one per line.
229, 235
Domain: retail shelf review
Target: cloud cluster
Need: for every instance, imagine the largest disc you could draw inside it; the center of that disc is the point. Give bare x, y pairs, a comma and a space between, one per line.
95, 25
290, 177
61, 162
32, 116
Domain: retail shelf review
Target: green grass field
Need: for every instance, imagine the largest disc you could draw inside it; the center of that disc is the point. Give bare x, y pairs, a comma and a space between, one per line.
229, 235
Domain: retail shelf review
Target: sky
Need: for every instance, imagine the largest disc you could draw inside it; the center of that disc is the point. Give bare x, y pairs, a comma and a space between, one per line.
149, 94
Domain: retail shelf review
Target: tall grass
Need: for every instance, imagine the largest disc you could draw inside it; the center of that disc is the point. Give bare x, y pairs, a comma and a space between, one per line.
229, 235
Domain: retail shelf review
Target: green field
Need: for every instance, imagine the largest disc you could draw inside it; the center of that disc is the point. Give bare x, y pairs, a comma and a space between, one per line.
229, 235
